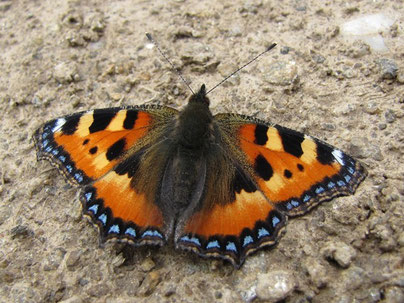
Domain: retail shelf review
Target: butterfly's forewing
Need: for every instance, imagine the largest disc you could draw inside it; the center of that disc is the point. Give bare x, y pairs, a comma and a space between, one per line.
278, 173
86, 145
295, 171
101, 150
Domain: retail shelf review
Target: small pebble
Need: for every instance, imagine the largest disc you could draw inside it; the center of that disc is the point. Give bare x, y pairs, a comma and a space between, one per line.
21, 232
72, 259
372, 108
74, 299
282, 73
400, 77
357, 148
367, 28
394, 295
275, 286
386, 237
285, 50
339, 252
354, 278
5, 6
388, 68
98, 290
149, 284
390, 116
318, 58
65, 72
147, 265
317, 273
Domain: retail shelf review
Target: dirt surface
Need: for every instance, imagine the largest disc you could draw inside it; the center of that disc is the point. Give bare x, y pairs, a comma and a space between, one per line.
60, 57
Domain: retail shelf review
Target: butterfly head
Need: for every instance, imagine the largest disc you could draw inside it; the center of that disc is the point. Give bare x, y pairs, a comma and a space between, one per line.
200, 96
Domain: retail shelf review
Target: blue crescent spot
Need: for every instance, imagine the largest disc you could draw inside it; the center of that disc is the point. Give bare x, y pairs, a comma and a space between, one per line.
306, 198
78, 177
93, 208
231, 246
262, 232
152, 233
351, 170
213, 244
130, 231
319, 190
69, 168
193, 240
48, 149
347, 178
55, 152
340, 183
114, 229
88, 195
275, 221
103, 219
45, 142
62, 158
247, 240
331, 184
289, 206
295, 203
45, 134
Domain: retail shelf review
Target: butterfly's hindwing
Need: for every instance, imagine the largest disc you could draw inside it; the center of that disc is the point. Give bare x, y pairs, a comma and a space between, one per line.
121, 212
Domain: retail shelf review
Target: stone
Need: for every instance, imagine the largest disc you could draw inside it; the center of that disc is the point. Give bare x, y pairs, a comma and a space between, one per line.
72, 259
317, 272
149, 284
388, 68
73, 299
147, 265
282, 73
66, 72
340, 252
275, 286
394, 295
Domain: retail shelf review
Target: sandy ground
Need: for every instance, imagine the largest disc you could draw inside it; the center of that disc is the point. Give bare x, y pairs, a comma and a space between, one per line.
59, 57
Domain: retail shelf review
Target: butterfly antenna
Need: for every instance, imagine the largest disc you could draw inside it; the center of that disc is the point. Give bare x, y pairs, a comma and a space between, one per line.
240, 68
149, 36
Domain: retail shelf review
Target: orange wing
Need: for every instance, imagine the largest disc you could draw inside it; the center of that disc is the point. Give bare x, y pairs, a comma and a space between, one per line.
295, 171
86, 145
235, 229
278, 172
100, 150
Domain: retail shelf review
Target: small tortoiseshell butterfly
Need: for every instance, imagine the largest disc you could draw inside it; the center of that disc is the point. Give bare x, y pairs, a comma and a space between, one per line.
220, 186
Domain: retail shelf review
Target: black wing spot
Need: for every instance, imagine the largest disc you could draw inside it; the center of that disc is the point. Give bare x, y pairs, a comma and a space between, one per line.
130, 165
261, 136
116, 149
324, 154
263, 168
243, 182
86, 141
102, 118
300, 167
287, 173
131, 117
70, 127
93, 150
291, 141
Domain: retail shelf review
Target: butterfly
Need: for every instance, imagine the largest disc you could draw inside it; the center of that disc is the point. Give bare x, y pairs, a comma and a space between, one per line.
220, 186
